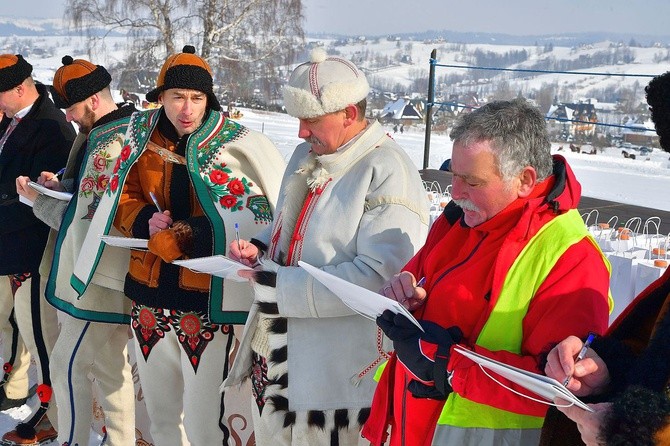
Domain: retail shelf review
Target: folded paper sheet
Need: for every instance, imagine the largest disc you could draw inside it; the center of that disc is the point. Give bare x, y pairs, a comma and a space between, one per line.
542, 386
220, 266
125, 242
363, 301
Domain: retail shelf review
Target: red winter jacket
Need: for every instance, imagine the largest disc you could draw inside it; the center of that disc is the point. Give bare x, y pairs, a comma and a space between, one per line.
464, 270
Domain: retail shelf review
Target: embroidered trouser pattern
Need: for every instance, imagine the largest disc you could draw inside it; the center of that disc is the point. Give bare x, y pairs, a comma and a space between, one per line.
182, 359
93, 352
38, 324
15, 355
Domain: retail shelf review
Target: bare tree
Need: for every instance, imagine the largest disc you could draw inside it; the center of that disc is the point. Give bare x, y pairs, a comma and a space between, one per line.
152, 24
247, 42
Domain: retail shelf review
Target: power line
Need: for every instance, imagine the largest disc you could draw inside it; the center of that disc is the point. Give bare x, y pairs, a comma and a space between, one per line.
524, 70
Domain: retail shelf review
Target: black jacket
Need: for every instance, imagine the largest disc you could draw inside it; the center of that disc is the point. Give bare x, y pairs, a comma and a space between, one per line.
40, 142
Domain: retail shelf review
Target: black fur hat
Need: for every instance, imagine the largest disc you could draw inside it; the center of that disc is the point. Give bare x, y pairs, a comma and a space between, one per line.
76, 80
658, 98
13, 70
186, 70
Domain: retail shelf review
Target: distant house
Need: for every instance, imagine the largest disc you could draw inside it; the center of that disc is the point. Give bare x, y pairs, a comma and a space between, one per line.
576, 119
402, 111
640, 134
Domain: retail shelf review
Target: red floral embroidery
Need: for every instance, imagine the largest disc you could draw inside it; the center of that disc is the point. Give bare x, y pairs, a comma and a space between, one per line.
103, 180
218, 176
99, 163
114, 183
87, 184
125, 153
228, 201
117, 165
236, 187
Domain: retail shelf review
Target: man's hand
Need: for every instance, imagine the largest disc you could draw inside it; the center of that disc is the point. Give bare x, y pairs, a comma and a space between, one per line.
24, 190
159, 221
424, 353
590, 376
50, 181
403, 288
588, 423
244, 252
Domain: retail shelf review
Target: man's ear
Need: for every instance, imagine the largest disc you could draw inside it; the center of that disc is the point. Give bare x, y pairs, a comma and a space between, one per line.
527, 181
351, 114
95, 101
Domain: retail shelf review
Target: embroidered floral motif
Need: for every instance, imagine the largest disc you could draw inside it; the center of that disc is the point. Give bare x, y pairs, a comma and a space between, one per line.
259, 380
228, 190
140, 130
95, 180
260, 207
194, 332
149, 325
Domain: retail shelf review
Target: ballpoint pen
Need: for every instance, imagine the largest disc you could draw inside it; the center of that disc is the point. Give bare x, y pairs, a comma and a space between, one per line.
582, 354
421, 282
155, 200
237, 237
57, 174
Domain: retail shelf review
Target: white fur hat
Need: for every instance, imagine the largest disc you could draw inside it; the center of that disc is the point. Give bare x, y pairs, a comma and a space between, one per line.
323, 85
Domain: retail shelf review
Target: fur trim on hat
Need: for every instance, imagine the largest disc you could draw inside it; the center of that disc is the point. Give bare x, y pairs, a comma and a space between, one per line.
76, 89
13, 70
178, 74
324, 85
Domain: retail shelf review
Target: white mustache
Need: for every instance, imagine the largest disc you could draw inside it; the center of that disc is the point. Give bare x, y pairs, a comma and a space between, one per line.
314, 141
466, 205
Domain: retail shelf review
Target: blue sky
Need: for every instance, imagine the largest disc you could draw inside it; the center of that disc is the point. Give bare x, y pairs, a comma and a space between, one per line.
520, 17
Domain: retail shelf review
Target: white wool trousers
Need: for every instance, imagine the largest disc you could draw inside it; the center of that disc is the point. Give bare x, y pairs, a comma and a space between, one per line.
38, 324
93, 352
182, 359
14, 351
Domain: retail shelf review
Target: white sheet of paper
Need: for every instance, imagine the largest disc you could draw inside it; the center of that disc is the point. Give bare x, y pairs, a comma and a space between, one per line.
219, 265
541, 385
125, 242
65, 196
26, 201
363, 301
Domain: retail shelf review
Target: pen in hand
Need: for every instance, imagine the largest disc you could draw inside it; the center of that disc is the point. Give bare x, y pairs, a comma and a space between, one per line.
57, 175
237, 237
421, 282
155, 200
582, 354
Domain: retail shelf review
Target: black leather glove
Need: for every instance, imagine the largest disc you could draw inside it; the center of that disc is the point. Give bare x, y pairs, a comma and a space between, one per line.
424, 353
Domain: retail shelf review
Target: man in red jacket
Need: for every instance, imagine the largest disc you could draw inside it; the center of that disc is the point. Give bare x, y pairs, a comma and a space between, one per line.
509, 268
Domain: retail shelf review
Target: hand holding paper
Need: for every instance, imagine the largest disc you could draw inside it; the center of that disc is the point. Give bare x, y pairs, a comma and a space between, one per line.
219, 265
65, 196
424, 352
547, 388
363, 301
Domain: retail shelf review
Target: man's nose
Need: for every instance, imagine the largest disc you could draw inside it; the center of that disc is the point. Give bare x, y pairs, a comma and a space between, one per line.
187, 107
456, 188
303, 132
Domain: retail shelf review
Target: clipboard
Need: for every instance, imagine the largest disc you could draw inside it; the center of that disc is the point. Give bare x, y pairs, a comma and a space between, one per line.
64, 196
541, 385
363, 301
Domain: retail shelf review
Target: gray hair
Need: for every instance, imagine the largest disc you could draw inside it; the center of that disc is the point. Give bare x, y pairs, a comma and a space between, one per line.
517, 133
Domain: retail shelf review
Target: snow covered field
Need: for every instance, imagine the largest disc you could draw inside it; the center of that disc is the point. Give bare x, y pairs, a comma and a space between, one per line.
607, 175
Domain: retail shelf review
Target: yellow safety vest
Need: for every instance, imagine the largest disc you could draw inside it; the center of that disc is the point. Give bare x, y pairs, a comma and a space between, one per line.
503, 329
